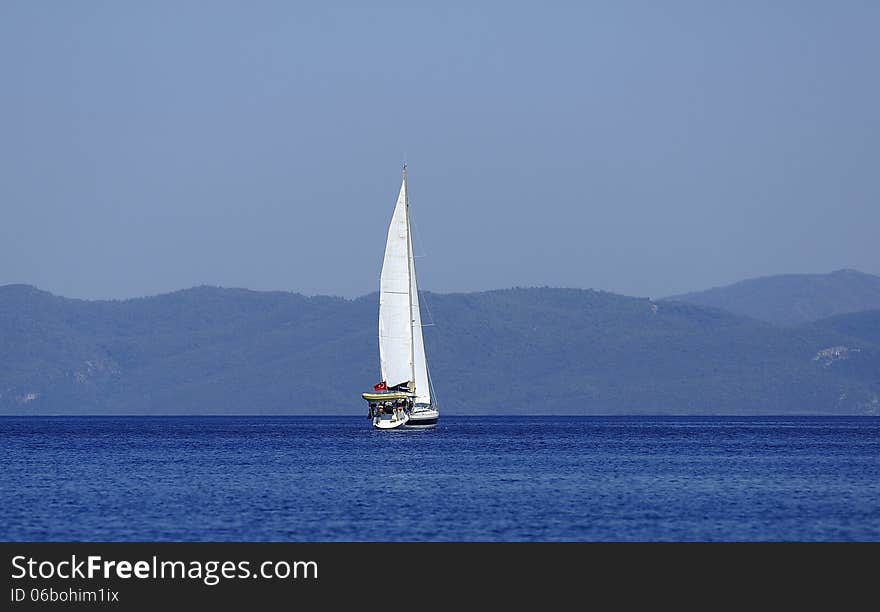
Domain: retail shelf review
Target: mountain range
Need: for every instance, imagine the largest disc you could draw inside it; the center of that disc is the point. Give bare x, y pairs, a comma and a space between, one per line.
211, 350
792, 299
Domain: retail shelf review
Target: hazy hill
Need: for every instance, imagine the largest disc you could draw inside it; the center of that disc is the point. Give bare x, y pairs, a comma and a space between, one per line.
791, 299
855, 357
857, 327
538, 351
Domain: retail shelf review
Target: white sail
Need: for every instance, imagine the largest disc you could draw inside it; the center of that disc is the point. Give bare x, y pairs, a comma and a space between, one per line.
395, 325
401, 346
420, 364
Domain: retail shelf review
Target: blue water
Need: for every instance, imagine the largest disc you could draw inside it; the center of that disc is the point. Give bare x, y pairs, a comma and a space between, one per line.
470, 478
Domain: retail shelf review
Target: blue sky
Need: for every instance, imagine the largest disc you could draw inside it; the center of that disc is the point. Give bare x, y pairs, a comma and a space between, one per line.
643, 148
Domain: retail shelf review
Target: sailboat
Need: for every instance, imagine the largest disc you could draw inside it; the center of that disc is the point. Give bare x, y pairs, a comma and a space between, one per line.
405, 395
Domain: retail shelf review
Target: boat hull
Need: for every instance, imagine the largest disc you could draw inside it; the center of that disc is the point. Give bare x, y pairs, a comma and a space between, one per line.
422, 422
423, 418
390, 422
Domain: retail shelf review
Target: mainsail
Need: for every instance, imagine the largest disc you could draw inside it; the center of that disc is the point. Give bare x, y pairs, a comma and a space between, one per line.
401, 346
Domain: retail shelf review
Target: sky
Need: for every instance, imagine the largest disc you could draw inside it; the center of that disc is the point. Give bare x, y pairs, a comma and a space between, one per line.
643, 148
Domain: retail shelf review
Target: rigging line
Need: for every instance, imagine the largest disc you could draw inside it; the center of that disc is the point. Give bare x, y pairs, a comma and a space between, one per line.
435, 401
417, 238
423, 300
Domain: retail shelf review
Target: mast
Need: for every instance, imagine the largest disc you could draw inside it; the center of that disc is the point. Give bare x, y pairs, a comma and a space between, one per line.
409, 259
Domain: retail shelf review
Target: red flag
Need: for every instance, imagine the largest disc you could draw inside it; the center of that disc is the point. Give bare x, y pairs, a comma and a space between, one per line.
380, 386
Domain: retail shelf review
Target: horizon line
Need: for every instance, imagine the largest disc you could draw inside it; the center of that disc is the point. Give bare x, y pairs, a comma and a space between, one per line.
428, 291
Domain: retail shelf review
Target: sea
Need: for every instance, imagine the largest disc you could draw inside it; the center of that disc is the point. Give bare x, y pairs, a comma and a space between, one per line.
469, 478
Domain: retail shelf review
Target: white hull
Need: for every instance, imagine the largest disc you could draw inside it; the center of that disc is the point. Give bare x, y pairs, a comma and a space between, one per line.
423, 418
390, 421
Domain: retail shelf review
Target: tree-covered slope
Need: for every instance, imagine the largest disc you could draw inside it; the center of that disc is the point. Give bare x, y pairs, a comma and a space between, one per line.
519, 351
792, 299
